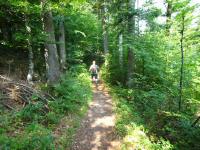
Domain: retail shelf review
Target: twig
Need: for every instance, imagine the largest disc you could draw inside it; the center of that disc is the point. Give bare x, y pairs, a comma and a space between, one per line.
50, 96
8, 106
195, 122
4, 97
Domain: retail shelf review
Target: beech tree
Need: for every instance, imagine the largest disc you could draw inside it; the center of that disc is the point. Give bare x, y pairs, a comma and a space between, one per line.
52, 64
62, 44
184, 19
104, 14
131, 31
30, 50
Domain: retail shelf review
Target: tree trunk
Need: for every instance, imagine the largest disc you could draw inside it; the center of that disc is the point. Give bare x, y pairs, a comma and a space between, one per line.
182, 64
104, 28
137, 19
62, 45
121, 50
52, 64
168, 15
30, 50
131, 20
131, 31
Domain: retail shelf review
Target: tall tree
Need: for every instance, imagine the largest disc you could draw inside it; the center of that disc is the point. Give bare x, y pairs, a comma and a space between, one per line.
62, 44
182, 60
131, 31
104, 26
53, 70
30, 50
121, 50
168, 15
184, 19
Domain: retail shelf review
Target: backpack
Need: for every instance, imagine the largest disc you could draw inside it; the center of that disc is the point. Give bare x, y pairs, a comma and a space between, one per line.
94, 69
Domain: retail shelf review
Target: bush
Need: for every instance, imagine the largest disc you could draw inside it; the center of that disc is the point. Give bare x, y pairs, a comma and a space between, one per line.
31, 127
34, 137
68, 99
33, 112
131, 126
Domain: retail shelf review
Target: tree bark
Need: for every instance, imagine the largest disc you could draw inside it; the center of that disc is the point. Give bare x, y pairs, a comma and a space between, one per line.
52, 64
62, 45
168, 15
121, 50
137, 19
104, 28
131, 21
182, 64
131, 31
30, 52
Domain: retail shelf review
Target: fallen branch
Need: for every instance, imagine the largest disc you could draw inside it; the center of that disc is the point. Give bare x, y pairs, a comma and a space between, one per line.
23, 93
195, 122
4, 98
8, 106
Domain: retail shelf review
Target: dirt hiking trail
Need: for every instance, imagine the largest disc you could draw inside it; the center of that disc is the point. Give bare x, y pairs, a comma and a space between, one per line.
97, 128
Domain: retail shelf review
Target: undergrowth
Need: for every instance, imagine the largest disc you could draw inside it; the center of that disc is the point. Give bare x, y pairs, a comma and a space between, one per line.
33, 126
145, 126
130, 126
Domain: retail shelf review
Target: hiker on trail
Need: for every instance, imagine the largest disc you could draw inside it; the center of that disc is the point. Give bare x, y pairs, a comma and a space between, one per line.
94, 71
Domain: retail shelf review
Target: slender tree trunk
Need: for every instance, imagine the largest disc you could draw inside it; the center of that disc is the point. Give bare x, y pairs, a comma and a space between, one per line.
131, 30
168, 15
104, 28
132, 17
53, 70
5, 31
62, 45
121, 50
138, 20
30, 50
182, 64
143, 66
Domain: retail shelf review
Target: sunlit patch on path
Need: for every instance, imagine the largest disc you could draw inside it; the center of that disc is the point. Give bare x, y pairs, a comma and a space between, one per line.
97, 129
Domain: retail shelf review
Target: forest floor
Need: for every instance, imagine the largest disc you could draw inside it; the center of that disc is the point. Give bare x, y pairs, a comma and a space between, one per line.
97, 129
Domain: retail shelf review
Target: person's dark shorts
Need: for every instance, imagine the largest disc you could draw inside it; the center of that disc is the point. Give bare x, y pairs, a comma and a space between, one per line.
94, 75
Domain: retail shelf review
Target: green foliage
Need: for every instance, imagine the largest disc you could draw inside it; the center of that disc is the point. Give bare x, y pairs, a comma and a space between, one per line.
35, 136
83, 34
52, 118
111, 72
155, 81
32, 127
33, 112
69, 99
153, 92
136, 108
130, 126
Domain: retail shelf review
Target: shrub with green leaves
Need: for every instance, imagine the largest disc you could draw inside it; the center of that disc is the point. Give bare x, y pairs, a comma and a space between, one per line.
34, 137
32, 127
33, 112
131, 126
69, 100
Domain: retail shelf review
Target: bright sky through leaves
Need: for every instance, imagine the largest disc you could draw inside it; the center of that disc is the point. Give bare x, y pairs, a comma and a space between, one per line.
161, 4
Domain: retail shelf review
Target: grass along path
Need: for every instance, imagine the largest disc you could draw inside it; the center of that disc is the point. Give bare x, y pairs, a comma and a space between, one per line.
97, 128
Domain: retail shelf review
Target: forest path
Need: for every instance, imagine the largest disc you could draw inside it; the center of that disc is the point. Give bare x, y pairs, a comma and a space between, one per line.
97, 128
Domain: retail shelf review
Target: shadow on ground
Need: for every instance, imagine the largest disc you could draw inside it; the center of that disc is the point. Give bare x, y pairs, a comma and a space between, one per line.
97, 129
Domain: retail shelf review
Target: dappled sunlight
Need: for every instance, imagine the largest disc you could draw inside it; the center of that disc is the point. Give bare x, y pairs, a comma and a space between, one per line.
104, 121
97, 129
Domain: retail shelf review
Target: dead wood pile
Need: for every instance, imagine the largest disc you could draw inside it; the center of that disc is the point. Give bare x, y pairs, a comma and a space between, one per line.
19, 93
